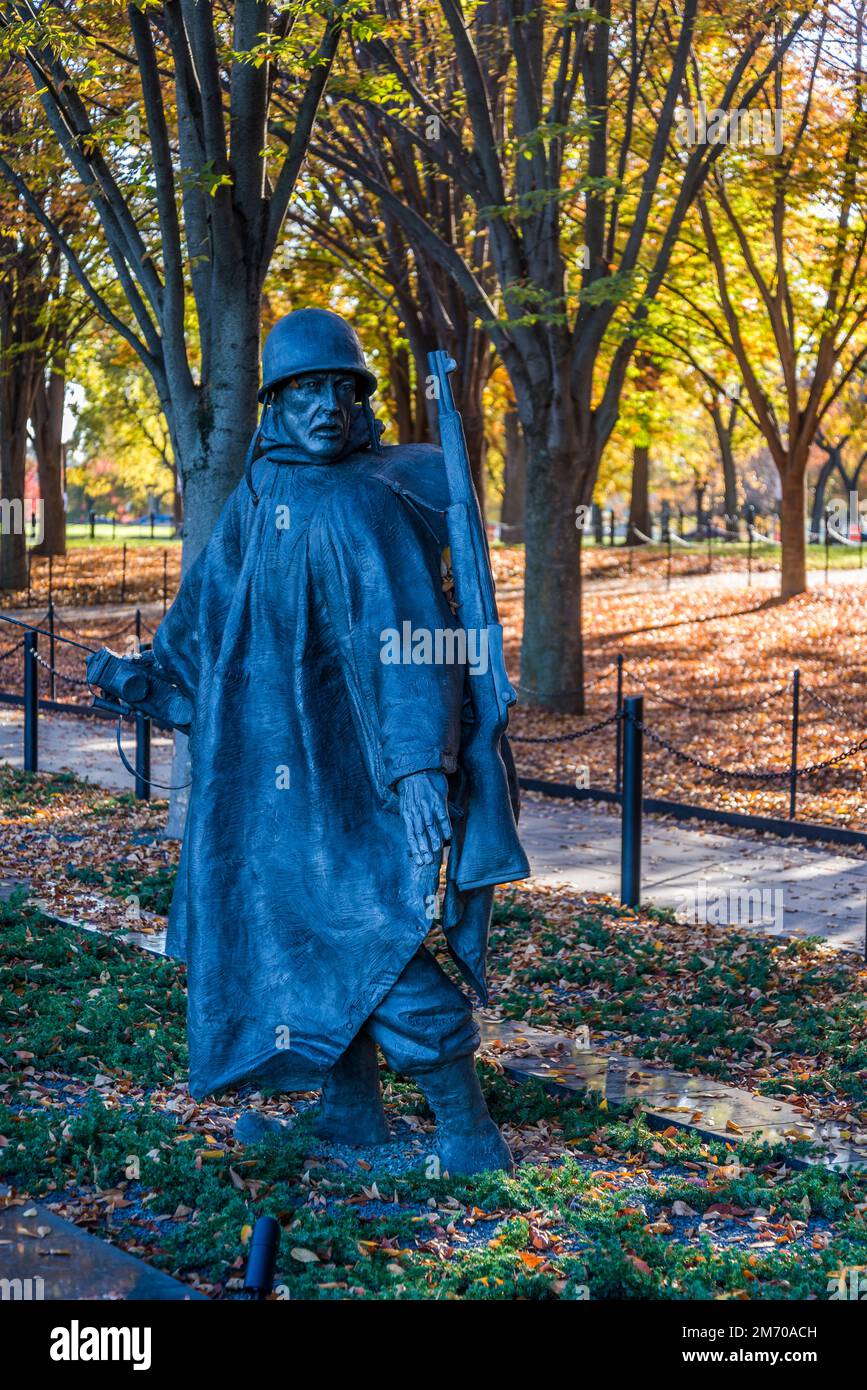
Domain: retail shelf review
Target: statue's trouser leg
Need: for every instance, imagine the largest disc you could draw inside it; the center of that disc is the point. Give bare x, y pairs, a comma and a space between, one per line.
426, 1030
351, 1111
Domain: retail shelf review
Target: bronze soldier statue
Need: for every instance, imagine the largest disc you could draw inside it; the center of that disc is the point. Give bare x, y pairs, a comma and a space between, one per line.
328, 776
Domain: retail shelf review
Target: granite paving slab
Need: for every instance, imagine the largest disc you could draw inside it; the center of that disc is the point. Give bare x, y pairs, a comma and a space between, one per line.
668, 1097
45, 1257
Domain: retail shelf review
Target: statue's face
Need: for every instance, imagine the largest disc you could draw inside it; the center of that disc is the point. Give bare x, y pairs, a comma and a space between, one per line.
314, 413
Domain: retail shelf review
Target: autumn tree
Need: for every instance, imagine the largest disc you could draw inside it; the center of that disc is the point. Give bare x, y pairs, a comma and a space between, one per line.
39, 312
21, 302
559, 135
164, 113
786, 234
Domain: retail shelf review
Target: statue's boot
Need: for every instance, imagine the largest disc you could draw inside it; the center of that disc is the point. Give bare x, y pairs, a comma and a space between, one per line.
251, 1128
351, 1111
466, 1138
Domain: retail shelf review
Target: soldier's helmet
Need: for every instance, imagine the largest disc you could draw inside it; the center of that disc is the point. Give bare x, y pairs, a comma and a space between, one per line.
313, 340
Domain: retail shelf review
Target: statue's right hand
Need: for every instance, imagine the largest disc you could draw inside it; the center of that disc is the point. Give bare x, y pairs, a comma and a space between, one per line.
424, 808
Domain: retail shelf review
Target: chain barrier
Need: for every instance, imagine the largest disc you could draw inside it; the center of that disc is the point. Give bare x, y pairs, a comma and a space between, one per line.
710, 767
826, 704
574, 734
833, 762
743, 773
117, 631
10, 651
710, 709
55, 636
588, 685
60, 675
564, 738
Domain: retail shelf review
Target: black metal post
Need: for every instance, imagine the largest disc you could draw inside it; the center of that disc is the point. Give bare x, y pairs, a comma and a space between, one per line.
31, 703
142, 756
611, 527
630, 842
113, 527
153, 518
259, 1279
138, 626
123, 576
793, 772
51, 679
92, 525
50, 578
618, 748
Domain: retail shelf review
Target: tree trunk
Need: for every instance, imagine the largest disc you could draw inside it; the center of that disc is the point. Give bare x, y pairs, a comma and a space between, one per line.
210, 444
210, 441
177, 498
47, 420
699, 489
20, 364
13, 543
724, 428
793, 578
401, 390
514, 477
474, 431
552, 659
16, 390
639, 504
730, 486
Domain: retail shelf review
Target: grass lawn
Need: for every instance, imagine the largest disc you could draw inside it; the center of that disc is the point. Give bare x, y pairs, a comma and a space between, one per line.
78, 533
95, 1117
725, 556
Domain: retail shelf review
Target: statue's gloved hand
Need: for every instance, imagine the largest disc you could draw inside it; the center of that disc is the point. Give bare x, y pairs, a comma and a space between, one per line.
424, 807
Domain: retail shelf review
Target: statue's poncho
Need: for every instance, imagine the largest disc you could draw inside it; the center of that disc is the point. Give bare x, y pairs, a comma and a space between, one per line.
297, 903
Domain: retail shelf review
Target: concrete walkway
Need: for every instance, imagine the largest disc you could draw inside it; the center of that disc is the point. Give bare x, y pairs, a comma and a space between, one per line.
780, 886
86, 747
